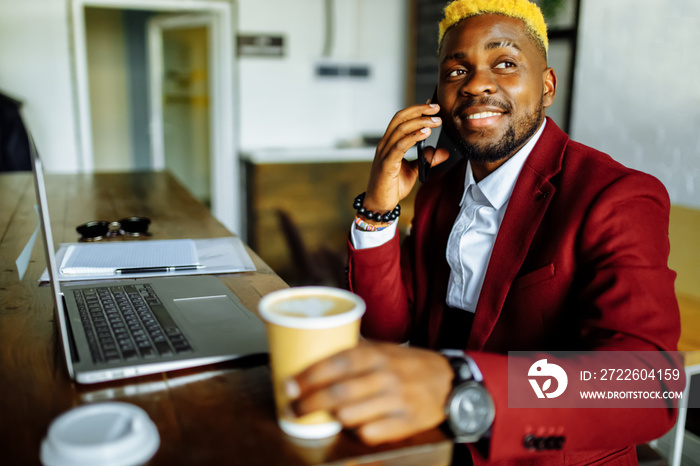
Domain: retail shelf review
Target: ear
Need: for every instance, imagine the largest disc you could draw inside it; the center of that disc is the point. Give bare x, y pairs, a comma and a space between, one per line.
550, 87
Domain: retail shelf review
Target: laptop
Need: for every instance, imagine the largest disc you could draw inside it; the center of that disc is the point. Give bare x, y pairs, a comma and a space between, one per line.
127, 328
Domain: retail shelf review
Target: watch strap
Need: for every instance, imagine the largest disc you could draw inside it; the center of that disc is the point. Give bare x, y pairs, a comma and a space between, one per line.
457, 359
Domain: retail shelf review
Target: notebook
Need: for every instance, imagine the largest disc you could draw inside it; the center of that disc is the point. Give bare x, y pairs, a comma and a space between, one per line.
109, 258
127, 328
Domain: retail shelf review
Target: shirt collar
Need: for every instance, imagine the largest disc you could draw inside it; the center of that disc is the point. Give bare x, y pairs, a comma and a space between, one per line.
498, 186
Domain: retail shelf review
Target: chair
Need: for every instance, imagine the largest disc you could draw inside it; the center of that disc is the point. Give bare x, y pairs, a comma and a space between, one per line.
322, 267
14, 143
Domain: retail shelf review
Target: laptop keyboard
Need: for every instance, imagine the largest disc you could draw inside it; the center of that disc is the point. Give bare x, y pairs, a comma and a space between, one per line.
126, 323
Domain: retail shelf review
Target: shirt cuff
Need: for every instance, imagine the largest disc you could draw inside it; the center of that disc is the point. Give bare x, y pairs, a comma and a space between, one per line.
371, 239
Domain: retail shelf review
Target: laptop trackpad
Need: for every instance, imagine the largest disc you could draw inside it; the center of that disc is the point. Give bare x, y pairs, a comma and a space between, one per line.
208, 310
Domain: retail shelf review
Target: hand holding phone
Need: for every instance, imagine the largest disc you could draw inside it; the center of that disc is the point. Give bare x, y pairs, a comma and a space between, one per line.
392, 176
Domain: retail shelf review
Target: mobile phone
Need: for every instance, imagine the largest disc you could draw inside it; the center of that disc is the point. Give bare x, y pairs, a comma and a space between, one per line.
423, 164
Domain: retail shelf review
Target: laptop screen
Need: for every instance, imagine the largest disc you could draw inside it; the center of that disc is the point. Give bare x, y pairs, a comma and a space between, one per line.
44, 220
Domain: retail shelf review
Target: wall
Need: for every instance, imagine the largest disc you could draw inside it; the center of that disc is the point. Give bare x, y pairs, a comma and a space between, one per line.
135, 22
637, 88
284, 105
35, 68
636, 93
109, 92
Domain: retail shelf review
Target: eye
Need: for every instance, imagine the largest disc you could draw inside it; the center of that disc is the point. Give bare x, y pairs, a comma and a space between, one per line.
455, 74
505, 64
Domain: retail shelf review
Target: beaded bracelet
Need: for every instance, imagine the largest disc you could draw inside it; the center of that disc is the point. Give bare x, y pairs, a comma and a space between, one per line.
364, 226
386, 217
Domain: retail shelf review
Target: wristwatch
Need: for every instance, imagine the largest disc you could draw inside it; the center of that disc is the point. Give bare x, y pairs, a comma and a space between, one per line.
469, 409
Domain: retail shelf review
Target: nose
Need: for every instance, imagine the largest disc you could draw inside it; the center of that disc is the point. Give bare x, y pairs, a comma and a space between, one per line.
479, 82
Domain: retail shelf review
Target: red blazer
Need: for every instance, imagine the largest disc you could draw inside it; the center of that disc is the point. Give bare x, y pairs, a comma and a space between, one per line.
579, 264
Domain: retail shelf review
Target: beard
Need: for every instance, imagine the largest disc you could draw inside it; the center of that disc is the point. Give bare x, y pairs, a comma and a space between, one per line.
516, 135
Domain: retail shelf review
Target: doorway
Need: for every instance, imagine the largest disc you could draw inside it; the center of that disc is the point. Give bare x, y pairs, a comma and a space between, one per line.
154, 86
179, 64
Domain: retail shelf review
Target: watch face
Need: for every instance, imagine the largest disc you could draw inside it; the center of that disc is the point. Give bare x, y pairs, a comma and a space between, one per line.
471, 409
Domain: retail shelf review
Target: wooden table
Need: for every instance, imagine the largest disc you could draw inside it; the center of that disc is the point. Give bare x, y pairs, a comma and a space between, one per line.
219, 414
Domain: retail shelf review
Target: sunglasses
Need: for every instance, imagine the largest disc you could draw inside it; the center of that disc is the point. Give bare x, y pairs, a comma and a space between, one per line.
100, 229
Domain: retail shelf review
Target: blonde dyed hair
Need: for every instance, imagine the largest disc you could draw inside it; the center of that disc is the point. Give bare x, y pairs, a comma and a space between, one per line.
524, 10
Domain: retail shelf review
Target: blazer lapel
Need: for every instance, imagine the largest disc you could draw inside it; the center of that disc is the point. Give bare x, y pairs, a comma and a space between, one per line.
528, 203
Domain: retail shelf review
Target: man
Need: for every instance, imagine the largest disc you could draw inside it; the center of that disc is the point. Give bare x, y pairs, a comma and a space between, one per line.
531, 243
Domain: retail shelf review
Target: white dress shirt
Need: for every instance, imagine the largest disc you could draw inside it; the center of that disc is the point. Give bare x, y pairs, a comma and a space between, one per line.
473, 235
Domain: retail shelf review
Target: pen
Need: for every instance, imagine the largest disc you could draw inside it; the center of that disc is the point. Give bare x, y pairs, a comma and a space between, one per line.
174, 268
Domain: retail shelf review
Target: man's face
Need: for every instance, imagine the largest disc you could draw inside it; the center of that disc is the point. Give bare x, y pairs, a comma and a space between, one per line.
493, 86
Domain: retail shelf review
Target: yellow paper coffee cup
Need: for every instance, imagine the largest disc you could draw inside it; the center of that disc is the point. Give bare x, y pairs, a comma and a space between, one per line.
305, 325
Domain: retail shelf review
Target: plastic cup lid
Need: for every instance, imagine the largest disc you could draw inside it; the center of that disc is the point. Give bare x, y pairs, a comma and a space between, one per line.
108, 434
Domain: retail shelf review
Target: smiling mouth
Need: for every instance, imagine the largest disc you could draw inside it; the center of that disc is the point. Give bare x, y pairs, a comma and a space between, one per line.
479, 116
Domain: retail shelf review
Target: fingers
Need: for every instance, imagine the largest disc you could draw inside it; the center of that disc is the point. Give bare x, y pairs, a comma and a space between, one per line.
386, 392
410, 409
345, 364
389, 429
409, 113
377, 405
408, 126
347, 397
384, 417
365, 411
